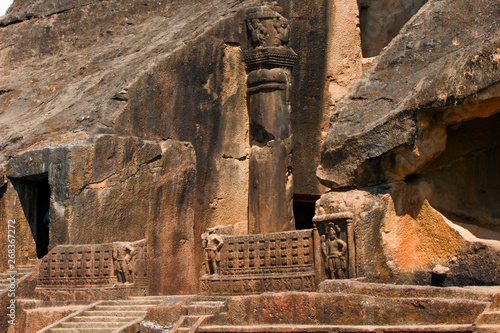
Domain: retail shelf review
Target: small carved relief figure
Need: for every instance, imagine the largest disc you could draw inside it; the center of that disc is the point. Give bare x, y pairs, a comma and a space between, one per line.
258, 32
212, 243
334, 250
282, 31
123, 262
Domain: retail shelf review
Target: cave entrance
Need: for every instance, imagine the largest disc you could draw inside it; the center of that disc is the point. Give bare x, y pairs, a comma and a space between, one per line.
463, 183
303, 210
34, 196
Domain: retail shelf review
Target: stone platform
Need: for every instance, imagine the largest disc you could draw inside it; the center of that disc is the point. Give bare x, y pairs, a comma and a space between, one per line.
339, 306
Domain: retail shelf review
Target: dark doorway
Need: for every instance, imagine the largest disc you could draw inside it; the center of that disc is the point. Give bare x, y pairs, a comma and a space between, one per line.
303, 210
34, 194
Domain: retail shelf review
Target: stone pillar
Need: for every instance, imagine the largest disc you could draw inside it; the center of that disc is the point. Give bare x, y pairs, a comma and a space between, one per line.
351, 248
269, 60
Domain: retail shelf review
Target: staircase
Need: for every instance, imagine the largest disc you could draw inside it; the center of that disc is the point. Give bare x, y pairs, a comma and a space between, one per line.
107, 316
489, 320
198, 311
21, 271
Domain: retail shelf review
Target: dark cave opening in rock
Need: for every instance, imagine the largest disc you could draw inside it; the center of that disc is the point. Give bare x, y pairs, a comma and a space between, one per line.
34, 196
303, 210
463, 183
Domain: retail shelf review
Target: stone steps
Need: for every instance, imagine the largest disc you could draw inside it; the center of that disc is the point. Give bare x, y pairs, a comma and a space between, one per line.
106, 316
123, 313
188, 324
20, 272
78, 330
338, 329
88, 319
489, 317
489, 320
198, 311
120, 307
93, 324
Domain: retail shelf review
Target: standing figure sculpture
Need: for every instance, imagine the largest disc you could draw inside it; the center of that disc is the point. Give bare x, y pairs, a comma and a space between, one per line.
212, 243
334, 250
124, 269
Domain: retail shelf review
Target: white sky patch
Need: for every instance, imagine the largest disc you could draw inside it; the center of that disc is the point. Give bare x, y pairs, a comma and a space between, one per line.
4, 5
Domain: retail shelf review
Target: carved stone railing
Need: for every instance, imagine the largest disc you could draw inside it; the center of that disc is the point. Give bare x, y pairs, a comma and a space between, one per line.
282, 261
93, 265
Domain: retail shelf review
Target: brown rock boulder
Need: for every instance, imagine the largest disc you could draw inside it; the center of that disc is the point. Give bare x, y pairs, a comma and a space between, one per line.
442, 69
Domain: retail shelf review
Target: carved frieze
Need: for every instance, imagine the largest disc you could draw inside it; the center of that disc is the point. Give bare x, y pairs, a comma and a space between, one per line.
228, 285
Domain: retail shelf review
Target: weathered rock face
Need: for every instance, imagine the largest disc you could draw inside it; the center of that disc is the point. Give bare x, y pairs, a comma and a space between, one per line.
87, 87
399, 103
414, 113
113, 189
417, 135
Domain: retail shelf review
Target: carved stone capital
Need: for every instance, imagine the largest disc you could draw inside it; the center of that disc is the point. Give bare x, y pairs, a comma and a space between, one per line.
269, 57
269, 36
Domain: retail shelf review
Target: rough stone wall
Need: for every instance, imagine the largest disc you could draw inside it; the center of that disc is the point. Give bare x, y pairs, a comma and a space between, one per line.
155, 71
325, 35
100, 96
119, 189
114, 67
309, 26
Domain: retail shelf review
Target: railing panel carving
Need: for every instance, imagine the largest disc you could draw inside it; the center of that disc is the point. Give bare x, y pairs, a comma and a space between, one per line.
94, 264
282, 261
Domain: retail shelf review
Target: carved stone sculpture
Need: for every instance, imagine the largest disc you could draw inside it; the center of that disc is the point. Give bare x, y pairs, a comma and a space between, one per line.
281, 26
122, 256
258, 32
126, 257
334, 251
269, 60
212, 243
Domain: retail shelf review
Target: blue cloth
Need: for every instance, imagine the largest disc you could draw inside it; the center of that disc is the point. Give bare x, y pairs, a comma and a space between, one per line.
46, 219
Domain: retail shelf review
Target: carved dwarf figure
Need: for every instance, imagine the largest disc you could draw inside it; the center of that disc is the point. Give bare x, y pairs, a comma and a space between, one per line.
212, 243
282, 31
258, 32
334, 250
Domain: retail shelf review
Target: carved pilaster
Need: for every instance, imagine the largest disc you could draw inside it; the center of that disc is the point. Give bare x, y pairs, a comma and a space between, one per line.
351, 249
269, 60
